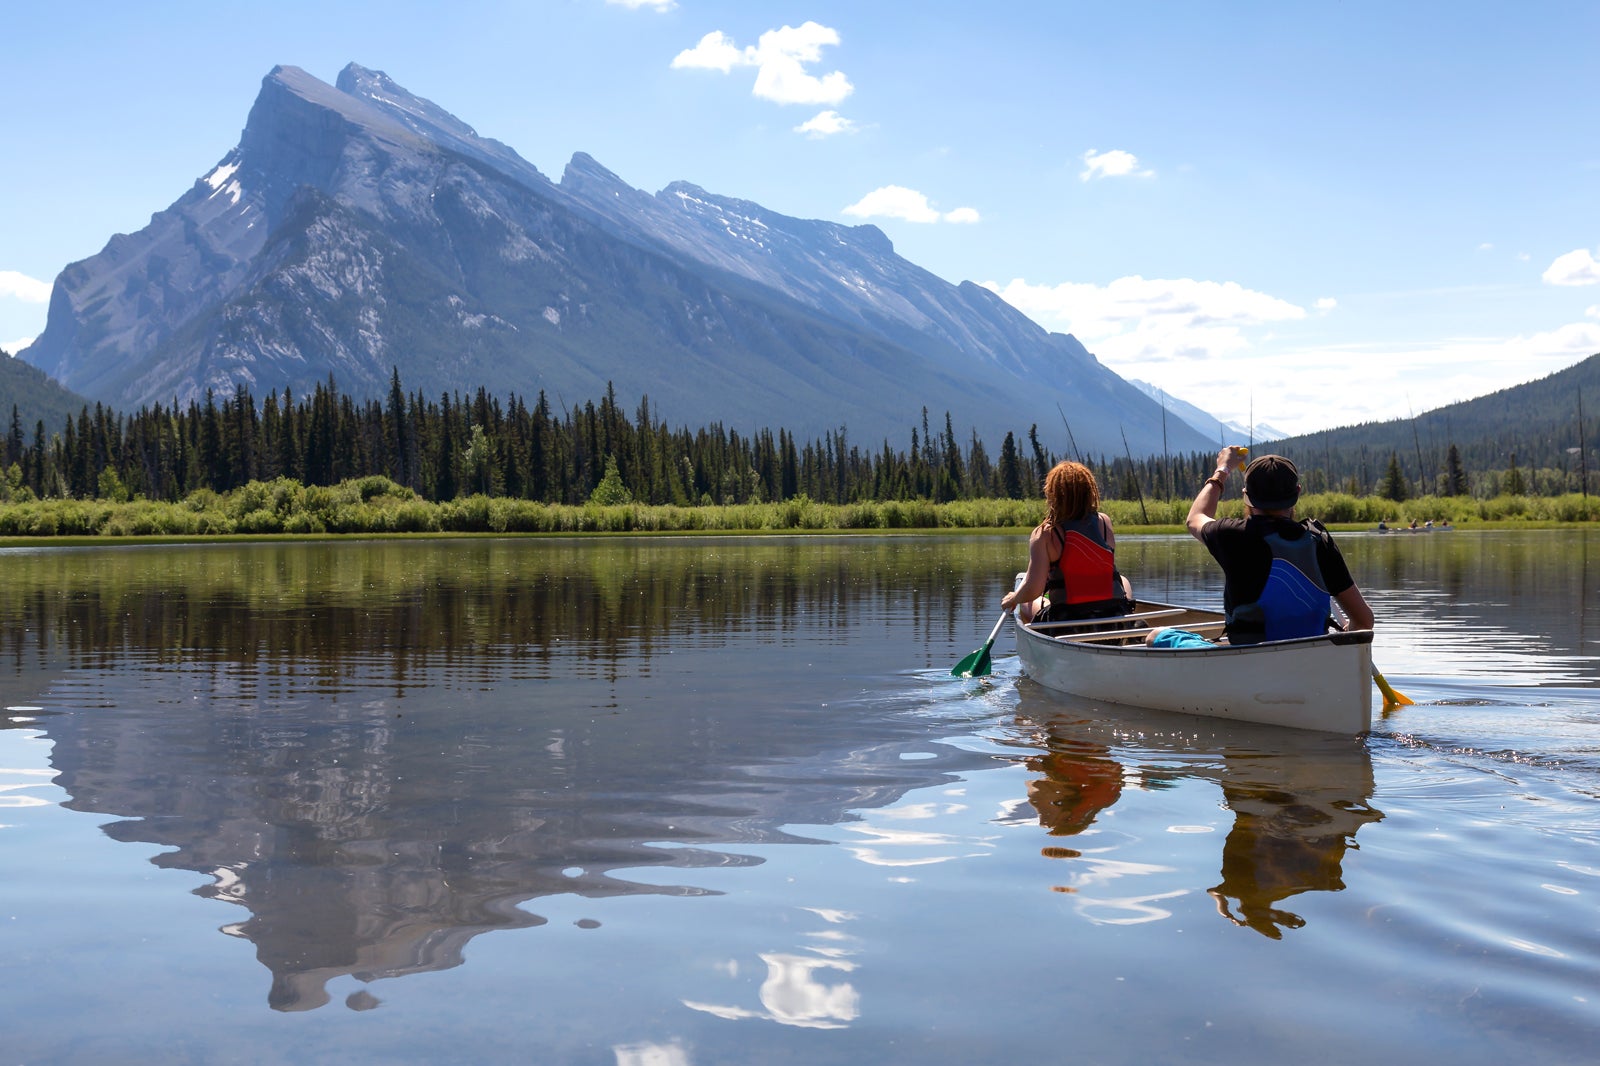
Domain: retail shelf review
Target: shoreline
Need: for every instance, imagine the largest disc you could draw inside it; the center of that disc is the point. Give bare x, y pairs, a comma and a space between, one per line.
1135, 530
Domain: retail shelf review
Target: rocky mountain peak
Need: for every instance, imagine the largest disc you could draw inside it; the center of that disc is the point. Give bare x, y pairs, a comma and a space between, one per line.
358, 228
422, 117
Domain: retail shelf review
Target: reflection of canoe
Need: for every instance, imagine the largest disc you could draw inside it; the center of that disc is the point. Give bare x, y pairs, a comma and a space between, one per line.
1298, 798
1320, 683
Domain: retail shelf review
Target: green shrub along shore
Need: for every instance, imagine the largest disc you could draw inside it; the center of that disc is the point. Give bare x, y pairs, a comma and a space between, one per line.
377, 505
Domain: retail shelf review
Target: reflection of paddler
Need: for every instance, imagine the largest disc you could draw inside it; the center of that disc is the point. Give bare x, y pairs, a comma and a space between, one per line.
1298, 797
1077, 786
1295, 814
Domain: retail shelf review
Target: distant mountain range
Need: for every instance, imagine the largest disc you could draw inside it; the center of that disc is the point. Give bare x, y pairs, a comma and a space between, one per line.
1540, 425
36, 397
1214, 429
357, 229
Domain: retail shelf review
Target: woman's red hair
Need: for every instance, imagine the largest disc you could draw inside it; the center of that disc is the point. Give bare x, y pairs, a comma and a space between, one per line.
1070, 493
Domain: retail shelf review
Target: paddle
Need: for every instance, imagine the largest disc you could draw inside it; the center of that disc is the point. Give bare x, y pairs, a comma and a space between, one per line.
977, 664
1391, 696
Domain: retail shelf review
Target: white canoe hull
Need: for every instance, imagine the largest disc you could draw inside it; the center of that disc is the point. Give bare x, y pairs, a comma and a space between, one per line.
1322, 683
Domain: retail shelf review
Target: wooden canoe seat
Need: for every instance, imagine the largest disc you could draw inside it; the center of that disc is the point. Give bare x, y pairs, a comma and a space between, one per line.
1138, 636
1090, 623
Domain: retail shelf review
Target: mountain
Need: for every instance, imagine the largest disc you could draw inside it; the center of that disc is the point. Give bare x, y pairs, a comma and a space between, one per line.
357, 229
1535, 426
36, 397
1204, 423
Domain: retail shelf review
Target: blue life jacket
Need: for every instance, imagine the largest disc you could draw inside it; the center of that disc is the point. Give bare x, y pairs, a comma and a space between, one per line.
1295, 601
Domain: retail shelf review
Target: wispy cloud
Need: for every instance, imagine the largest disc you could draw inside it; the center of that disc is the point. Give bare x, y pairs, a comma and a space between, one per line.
18, 286
1212, 344
654, 5
1113, 164
1575, 268
897, 201
780, 57
1151, 307
825, 124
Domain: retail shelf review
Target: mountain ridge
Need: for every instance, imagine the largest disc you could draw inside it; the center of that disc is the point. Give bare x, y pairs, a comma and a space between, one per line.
357, 229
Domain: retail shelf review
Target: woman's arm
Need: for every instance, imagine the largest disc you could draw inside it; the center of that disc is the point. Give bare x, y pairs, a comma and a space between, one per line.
1038, 571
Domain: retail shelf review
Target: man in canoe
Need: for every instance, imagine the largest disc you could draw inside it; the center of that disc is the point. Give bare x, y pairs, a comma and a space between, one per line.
1280, 576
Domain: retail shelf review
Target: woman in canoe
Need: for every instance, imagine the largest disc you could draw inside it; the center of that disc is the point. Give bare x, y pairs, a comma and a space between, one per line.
1072, 566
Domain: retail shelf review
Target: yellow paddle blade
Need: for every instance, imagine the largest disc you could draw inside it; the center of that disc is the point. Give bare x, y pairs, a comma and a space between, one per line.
1391, 697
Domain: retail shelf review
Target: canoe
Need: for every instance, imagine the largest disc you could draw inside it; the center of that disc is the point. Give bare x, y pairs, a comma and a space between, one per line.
1322, 683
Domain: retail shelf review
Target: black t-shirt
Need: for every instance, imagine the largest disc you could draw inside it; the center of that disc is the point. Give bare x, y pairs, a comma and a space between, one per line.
1239, 545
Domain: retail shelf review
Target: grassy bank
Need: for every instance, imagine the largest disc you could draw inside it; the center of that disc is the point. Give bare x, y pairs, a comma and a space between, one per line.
375, 505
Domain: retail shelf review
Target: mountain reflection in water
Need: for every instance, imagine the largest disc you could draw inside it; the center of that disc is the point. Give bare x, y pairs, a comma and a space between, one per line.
1297, 798
381, 751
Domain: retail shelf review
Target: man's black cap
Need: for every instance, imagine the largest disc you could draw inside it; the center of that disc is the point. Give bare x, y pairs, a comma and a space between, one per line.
1272, 483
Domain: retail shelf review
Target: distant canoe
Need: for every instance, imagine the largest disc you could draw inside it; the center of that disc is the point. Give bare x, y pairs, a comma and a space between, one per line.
1322, 683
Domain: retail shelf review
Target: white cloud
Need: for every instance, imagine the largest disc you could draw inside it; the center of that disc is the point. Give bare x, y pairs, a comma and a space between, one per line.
1173, 332
780, 57
1231, 351
1313, 386
1149, 308
897, 201
716, 51
17, 345
18, 286
654, 5
1209, 343
1113, 164
825, 124
1574, 268
1326, 304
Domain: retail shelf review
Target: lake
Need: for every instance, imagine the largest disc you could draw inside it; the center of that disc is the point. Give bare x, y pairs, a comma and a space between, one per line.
682, 802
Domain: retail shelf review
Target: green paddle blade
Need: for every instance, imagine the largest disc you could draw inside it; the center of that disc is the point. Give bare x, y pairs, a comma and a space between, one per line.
978, 664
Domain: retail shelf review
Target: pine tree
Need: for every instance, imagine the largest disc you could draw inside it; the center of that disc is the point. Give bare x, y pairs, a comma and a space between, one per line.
14, 439
1515, 484
1393, 485
1455, 483
1010, 469
1041, 465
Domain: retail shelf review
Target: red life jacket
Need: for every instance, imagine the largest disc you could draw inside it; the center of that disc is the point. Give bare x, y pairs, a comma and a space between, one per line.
1086, 570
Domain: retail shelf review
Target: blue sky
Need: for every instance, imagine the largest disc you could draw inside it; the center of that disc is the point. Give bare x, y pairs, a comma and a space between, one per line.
1316, 213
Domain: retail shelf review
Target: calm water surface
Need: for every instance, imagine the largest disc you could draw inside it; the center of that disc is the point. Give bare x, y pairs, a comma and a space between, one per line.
684, 802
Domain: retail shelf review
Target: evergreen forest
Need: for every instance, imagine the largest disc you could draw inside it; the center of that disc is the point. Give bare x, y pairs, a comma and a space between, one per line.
460, 446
